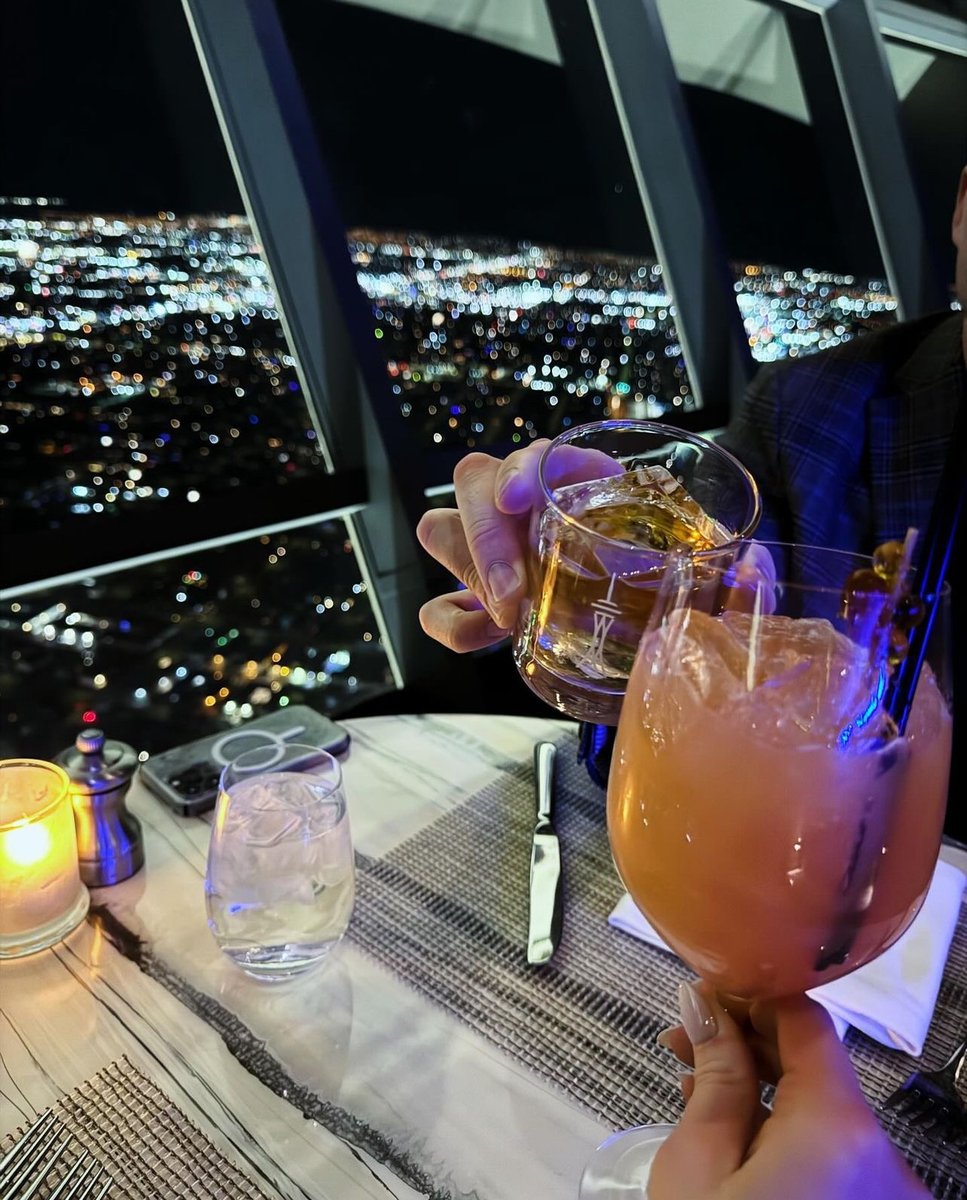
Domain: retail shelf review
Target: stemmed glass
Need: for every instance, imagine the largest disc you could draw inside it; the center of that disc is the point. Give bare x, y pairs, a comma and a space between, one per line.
763, 812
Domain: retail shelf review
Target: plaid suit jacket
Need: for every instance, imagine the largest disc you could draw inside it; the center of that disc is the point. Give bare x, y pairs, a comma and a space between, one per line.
847, 445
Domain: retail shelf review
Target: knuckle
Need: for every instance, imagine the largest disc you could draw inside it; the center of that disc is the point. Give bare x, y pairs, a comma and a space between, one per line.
470, 465
427, 623
470, 576
426, 527
717, 1071
435, 623
722, 1074
480, 525
527, 457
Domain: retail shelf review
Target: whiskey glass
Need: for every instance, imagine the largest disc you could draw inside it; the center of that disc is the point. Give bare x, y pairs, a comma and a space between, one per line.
618, 497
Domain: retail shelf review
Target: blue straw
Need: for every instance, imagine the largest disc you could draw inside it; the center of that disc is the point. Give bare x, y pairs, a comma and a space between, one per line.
932, 562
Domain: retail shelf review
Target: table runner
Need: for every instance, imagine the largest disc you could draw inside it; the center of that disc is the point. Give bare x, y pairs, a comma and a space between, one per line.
446, 911
143, 1140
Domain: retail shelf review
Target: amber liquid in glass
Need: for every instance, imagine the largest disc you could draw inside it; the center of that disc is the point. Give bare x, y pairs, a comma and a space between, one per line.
593, 574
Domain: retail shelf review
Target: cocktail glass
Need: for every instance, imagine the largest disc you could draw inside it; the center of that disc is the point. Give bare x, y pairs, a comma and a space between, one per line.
763, 812
619, 495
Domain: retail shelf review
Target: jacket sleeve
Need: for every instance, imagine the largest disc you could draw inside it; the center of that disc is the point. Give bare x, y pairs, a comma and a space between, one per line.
753, 436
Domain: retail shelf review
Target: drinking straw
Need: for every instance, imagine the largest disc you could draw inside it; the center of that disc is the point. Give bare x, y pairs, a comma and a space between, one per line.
935, 550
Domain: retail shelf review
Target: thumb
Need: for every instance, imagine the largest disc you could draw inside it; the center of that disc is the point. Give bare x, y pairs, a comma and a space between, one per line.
811, 1053
722, 1116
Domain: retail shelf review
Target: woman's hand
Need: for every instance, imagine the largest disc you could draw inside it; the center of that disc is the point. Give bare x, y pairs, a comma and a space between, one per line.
820, 1140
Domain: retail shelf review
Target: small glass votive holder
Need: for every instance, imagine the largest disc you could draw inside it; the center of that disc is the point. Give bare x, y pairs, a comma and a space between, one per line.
41, 895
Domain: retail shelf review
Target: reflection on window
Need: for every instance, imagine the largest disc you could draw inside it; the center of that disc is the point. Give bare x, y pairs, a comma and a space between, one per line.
165, 653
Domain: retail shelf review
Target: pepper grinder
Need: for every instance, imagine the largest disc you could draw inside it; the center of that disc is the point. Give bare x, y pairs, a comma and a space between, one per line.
110, 845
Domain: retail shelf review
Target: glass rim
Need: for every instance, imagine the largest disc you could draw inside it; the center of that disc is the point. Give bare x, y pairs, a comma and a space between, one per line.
658, 427
854, 557
40, 764
280, 764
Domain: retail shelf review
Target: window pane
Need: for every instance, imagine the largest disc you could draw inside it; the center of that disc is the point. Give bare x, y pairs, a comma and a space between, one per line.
784, 174
145, 362
145, 368
494, 222
785, 194
934, 127
491, 343
165, 653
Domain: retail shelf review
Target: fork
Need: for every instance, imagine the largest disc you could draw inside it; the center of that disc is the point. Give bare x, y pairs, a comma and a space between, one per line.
28, 1164
930, 1099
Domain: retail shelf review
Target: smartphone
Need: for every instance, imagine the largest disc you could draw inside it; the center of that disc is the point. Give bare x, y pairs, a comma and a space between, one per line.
186, 777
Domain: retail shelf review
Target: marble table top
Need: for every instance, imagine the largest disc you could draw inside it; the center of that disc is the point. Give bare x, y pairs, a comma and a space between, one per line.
439, 1094
401, 1079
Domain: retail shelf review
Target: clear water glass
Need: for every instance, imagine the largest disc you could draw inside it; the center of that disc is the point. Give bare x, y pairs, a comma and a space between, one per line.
280, 883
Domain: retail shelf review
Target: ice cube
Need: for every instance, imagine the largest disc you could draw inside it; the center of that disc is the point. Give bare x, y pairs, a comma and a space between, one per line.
795, 681
647, 507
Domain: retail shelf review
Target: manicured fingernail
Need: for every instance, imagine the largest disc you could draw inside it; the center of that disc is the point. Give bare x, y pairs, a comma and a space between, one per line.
502, 581
664, 1039
697, 1016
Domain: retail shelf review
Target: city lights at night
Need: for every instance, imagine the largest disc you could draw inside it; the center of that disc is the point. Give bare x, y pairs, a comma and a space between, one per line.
489, 343
144, 360
160, 652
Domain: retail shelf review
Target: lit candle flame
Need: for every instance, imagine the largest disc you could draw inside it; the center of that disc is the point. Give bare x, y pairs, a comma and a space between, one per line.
26, 844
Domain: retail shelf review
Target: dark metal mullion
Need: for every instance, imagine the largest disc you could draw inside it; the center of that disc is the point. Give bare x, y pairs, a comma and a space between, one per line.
840, 169
254, 135
871, 111
676, 198
911, 25
344, 330
291, 201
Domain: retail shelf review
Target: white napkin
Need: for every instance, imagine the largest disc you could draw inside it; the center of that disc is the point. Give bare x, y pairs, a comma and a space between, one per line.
892, 998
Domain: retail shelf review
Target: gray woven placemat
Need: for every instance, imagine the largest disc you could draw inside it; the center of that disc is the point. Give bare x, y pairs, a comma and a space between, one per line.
143, 1141
446, 911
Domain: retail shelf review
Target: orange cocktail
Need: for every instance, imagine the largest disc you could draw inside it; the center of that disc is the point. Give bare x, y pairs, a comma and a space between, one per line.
761, 810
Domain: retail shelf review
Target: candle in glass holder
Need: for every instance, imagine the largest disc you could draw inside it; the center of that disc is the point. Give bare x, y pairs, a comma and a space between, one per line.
41, 895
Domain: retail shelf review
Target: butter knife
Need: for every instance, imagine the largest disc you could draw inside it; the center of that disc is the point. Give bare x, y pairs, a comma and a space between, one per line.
546, 901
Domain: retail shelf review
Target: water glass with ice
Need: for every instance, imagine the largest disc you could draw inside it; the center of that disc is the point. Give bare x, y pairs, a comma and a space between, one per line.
280, 883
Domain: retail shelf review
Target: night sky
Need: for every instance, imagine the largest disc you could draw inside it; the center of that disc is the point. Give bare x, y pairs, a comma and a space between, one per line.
425, 129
